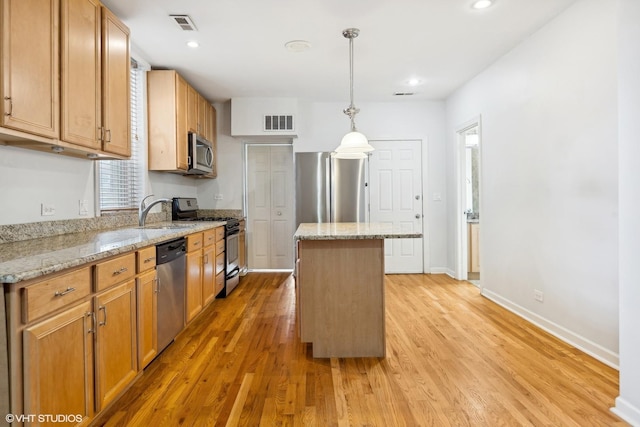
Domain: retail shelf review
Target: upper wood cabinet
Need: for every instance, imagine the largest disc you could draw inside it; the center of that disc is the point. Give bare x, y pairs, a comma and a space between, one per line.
167, 96
115, 85
175, 109
65, 78
30, 63
192, 109
81, 72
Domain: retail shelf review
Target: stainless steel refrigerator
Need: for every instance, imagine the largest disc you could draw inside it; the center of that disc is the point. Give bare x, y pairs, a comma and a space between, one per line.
331, 190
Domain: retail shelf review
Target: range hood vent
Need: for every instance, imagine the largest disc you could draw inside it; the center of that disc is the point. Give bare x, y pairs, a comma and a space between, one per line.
184, 22
278, 123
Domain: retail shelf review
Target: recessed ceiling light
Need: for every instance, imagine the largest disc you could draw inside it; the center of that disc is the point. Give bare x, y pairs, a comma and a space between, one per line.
193, 43
482, 4
414, 82
297, 45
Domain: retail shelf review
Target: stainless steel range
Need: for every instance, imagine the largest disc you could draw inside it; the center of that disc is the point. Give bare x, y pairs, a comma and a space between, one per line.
186, 209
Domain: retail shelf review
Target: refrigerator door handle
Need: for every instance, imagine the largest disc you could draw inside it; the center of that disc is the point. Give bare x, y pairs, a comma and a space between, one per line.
328, 197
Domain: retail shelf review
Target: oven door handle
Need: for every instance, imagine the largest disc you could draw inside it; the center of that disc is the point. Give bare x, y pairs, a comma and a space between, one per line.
233, 273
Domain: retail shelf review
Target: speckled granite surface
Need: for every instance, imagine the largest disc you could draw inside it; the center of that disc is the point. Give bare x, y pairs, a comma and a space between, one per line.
350, 231
36, 230
221, 213
27, 259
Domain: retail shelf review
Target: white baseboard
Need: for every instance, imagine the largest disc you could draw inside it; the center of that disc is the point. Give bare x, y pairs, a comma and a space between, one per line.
602, 354
441, 270
627, 411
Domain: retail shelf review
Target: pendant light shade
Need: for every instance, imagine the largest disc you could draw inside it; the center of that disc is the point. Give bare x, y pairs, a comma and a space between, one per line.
353, 142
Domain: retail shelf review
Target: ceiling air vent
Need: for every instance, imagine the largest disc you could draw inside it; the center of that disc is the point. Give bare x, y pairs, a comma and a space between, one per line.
184, 22
278, 123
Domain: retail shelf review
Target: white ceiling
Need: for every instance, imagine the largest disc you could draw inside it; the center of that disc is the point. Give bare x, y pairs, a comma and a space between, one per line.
443, 43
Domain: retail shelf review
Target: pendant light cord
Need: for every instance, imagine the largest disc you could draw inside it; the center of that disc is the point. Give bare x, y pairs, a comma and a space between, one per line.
352, 110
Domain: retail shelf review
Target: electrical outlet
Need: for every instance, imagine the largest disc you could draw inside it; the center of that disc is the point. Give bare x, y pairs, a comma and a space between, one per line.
83, 207
217, 197
47, 209
538, 295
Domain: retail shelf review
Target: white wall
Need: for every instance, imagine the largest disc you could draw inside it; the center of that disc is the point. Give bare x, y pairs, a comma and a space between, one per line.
320, 127
628, 403
29, 178
549, 176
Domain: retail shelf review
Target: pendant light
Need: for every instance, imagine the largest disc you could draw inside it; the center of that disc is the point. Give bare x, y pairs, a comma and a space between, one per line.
354, 145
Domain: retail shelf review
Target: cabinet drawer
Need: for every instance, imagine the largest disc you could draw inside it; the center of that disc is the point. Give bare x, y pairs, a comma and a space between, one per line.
219, 283
219, 233
194, 242
52, 294
146, 259
115, 270
220, 247
209, 237
219, 262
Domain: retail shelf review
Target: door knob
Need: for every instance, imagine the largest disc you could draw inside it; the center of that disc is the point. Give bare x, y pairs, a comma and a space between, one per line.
279, 213
418, 216
417, 197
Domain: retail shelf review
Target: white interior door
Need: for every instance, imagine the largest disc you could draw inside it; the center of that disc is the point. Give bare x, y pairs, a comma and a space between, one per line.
396, 197
270, 206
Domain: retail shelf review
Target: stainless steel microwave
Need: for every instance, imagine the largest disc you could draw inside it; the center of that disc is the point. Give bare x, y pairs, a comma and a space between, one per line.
201, 156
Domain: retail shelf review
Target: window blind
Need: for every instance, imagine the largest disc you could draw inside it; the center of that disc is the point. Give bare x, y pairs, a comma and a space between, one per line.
121, 181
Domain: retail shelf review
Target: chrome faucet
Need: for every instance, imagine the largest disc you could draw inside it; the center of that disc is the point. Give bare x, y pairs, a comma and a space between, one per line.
144, 210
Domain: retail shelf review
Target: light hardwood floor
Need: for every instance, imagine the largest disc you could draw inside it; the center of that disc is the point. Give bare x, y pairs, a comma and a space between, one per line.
454, 358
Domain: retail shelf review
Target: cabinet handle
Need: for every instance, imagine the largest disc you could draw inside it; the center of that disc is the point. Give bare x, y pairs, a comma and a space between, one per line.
108, 135
122, 270
100, 133
149, 259
157, 281
205, 259
8, 98
68, 290
104, 322
92, 328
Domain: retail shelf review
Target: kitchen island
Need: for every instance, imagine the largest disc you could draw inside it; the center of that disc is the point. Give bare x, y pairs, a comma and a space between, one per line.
340, 287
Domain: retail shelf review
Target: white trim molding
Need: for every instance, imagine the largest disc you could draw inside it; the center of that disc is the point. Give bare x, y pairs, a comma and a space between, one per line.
625, 410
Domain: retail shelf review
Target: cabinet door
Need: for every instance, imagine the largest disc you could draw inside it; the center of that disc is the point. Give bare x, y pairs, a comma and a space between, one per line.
147, 300
182, 130
58, 364
208, 274
116, 116
30, 61
192, 109
202, 114
116, 355
81, 74
194, 284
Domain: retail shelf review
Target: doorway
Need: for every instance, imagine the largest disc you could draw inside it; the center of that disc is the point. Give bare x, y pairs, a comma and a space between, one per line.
270, 206
469, 197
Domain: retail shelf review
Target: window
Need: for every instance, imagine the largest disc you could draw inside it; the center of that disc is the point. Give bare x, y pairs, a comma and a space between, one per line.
121, 182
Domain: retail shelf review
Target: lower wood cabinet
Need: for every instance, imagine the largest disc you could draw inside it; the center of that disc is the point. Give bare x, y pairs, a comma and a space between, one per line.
147, 299
59, 364
193, 288
116, 346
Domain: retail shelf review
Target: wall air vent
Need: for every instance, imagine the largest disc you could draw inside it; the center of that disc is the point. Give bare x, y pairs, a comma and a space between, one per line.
184, 22
278, 123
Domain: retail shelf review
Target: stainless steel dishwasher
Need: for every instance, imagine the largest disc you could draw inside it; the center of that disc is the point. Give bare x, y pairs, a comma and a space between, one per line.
171, 267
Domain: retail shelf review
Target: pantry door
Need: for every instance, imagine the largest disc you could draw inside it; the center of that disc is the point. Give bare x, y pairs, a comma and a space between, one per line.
270, 206
395, 170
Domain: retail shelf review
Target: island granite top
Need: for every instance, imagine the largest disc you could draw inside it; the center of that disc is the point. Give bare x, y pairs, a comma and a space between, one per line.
28, 259
351, 231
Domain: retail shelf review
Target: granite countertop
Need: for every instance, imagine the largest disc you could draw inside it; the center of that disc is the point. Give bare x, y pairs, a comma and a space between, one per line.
27, 259
351, 231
